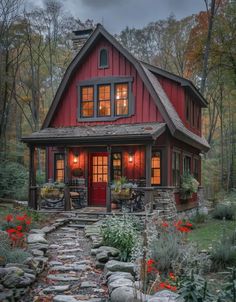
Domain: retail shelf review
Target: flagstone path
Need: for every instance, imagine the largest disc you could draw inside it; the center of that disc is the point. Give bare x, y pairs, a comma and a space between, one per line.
70, 275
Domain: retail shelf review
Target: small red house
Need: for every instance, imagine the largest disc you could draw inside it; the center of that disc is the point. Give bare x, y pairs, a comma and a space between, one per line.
114, 116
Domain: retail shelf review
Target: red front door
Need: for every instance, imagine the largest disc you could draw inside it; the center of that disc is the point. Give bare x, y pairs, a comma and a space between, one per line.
98, 179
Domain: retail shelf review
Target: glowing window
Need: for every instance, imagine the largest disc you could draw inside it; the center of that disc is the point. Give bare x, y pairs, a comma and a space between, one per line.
156, 168
121, 99
104, 100
87, 101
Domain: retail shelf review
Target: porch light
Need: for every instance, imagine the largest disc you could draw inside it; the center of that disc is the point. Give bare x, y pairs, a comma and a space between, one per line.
76, 157
131, 157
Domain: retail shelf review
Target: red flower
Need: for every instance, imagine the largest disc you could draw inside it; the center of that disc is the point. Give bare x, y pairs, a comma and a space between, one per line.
28, 221
172, 276
9, 217
10, 231
150, 262
20, 218
19, 235
188, 224
183, 229
165, 224
167, 286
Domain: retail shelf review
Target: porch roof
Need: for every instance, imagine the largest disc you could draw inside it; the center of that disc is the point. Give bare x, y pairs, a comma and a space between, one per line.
97, 133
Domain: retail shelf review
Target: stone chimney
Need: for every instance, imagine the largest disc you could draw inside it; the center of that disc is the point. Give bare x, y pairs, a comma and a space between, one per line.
80, 37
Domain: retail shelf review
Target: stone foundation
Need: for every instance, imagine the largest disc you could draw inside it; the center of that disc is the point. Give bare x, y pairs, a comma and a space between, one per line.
164, 202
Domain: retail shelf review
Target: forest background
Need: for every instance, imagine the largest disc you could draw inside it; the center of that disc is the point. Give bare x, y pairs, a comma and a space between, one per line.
36, 48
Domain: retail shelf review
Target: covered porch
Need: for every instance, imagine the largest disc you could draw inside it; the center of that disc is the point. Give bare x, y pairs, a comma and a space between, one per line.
89, 159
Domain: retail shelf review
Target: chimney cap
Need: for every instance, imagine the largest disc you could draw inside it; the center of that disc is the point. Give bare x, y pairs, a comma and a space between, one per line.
83, 32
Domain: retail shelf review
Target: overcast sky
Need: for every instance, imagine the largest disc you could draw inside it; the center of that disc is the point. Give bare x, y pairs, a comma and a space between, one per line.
115, 15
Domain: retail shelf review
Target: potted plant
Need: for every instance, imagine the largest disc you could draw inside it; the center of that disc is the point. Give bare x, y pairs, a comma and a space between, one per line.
52, 191
188, 186
122, 189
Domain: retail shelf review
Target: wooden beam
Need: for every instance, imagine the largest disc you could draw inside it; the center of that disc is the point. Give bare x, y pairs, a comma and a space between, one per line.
32, 202
67, 205
148, 165
108, 197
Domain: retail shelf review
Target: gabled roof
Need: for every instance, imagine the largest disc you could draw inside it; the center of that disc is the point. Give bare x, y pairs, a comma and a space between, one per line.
164, 105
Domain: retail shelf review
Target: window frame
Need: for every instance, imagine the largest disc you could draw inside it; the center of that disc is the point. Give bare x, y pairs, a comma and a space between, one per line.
106, 100
112, 81
55, 164
185, 155
99, 58
112, 167
115, 100
176, 183
81, 107
160, 152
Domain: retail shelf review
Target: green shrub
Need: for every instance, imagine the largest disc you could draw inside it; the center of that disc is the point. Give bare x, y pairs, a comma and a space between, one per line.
199, 218
194, 289
224, 211
9, 254
165, 248
13, 180
223, 253
121, 232
17, 255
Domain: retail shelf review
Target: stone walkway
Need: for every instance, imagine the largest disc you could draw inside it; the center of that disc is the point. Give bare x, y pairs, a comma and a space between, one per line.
71, 275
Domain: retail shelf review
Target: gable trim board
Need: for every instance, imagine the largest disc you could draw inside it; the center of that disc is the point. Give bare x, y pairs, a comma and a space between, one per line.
162, 101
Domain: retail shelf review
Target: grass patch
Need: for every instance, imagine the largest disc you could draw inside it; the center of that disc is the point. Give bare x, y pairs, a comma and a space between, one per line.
206, 233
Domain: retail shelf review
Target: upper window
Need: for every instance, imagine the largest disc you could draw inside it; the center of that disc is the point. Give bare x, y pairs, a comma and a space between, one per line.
103, 58
87, 101
156, 168
121, 99
105, 98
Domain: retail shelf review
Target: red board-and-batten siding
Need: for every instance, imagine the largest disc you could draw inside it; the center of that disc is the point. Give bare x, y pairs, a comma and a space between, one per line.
145, 108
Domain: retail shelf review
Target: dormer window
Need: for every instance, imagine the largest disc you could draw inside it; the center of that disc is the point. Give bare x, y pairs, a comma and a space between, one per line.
103, 58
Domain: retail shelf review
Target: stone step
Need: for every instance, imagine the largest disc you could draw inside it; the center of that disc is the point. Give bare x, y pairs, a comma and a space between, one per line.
56, 289
78, 226
84, 220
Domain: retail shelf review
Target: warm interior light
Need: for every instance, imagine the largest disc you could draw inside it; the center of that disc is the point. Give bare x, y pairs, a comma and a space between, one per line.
131, 157
76, 157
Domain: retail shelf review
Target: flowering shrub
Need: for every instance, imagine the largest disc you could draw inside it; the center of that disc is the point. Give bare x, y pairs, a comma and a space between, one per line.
16, 227
160, 281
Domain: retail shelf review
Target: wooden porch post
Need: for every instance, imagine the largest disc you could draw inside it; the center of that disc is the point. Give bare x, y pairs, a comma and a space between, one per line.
108, 197
148, 163
32, 202
66, 190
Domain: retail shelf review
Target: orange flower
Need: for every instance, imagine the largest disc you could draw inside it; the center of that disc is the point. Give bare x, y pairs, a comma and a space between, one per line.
184, 229
188, 224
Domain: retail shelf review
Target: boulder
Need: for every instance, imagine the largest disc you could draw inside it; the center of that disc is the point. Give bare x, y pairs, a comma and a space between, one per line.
123, 294
164, 296
102, 257
118, 266
36, 238
119, 283
119, 275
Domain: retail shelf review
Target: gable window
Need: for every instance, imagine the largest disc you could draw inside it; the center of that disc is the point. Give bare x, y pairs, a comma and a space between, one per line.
104, 100
59, 165
116, 159
176, 168
187, 164
121, 99
87, 101
103, 58
156, 168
